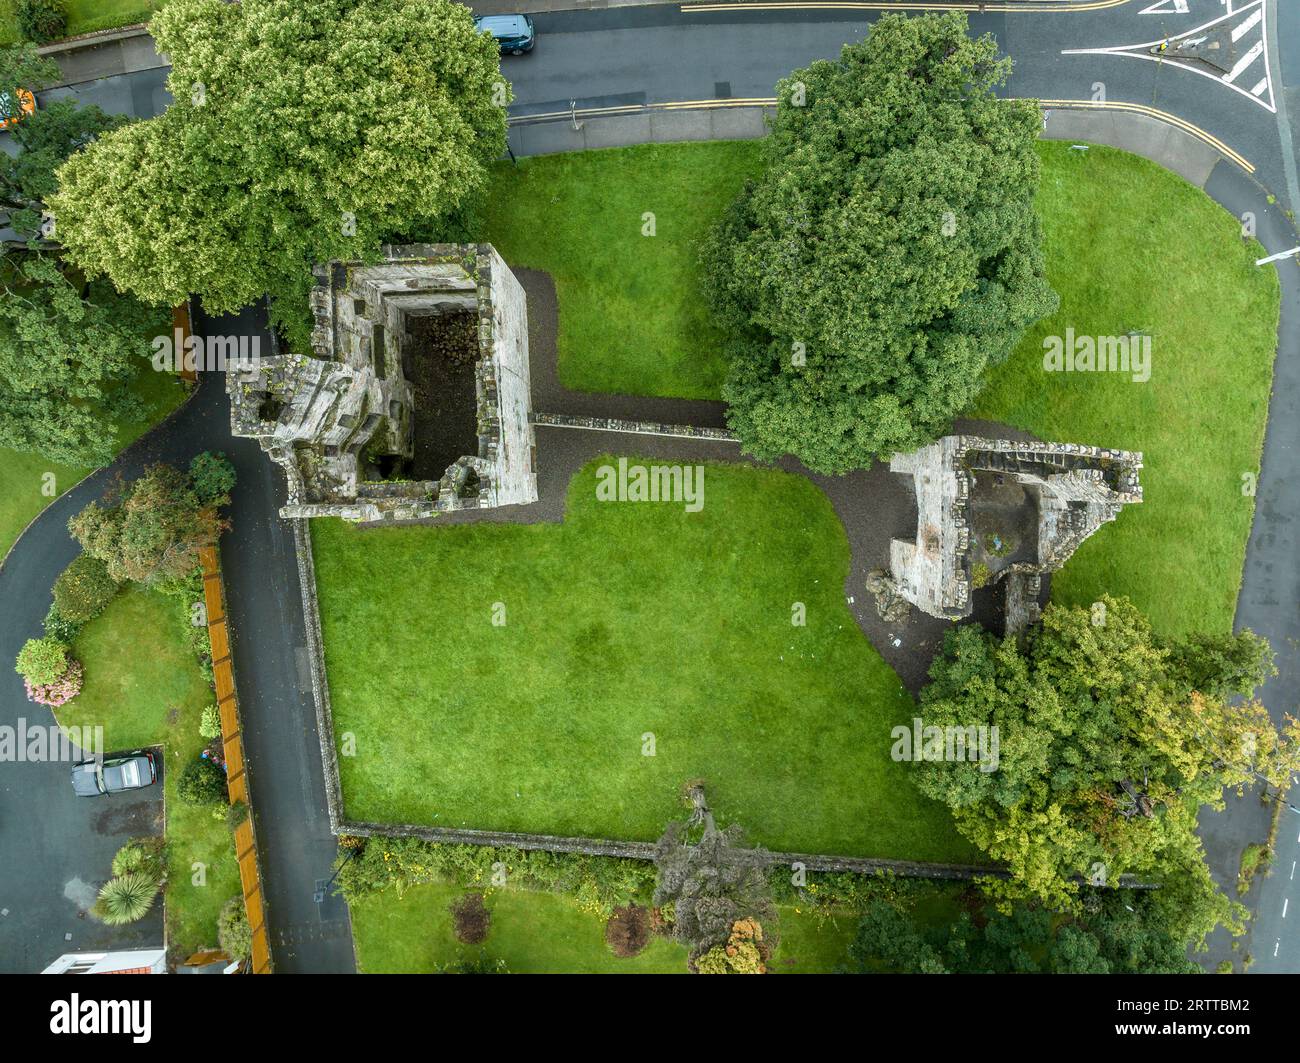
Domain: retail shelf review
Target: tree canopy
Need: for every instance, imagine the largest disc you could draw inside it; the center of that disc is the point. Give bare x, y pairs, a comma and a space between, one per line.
68, 349
1110, 740
888, 255
1119, 934
67, 353
149, 530
298, 133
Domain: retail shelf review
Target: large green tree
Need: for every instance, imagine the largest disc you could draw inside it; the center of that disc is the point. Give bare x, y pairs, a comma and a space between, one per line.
888, 255
1110, 738
298, 133
68, 349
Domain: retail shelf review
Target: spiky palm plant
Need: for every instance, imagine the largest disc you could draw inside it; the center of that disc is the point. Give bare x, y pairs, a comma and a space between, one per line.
126, 898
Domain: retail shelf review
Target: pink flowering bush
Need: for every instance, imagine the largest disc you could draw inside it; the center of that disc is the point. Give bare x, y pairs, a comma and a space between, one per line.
61, 691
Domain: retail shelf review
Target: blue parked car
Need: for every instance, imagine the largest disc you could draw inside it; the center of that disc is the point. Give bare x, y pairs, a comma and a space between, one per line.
514, 33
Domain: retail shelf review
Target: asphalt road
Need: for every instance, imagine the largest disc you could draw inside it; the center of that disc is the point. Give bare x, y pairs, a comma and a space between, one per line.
659, 54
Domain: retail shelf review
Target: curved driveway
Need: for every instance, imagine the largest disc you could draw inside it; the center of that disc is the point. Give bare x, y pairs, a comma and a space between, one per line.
653, 55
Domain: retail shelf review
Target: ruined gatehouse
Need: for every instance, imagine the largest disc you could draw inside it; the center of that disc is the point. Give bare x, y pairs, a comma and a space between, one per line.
990, 510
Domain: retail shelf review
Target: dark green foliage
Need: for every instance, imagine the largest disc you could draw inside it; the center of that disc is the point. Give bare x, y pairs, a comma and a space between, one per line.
42, 21
212, 477
146, 856
83, 590
68, 352
1121, 932
888, 940
1221, 666
889, 255
60, 627
202, 783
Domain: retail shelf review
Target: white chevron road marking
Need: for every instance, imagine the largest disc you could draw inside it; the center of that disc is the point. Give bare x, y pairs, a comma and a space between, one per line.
1251, 18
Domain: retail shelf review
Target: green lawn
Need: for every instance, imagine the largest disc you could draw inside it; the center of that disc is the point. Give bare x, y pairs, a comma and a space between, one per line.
25, 489
626, 620
629, 318
1129, 247
85, 16
543, 932
1132, 246
144, 686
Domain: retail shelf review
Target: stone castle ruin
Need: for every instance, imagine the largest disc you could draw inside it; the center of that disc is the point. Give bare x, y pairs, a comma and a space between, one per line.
415, 399
990, 510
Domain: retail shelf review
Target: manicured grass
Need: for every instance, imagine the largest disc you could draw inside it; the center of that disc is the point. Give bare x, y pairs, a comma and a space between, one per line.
630, 320
84, 16
144, 686
25, 489
1131, 246
546, 933
625, 621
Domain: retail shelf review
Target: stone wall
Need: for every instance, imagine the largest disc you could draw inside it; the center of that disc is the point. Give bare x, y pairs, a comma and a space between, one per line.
1073, 488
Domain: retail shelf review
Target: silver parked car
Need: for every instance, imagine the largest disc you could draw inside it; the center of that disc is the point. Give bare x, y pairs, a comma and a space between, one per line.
112, 775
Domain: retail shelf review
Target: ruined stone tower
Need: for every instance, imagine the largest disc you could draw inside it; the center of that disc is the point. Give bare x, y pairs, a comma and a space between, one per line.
381, 422
991, 509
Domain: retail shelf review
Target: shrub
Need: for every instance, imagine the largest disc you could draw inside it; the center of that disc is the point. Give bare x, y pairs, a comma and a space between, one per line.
61, 691
628, 931
744, 952
146, 856
84, 589
43, 660
202, 783
234, 935
236, 815
42, 21
210, 722
470, 918
125, 899
212, 478
59, 627
597, 883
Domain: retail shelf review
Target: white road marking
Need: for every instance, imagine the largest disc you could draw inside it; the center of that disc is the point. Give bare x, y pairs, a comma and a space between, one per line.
1257, 19
1286, 903
1247, 26
1257, 49
1292, 870
1275, 945
1166, 7
1277, 258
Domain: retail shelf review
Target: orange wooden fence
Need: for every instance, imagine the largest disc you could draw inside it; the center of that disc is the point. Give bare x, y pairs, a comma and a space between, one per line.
232, 741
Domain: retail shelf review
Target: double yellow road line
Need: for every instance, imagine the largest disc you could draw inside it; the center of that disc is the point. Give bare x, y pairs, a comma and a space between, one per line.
1055, 6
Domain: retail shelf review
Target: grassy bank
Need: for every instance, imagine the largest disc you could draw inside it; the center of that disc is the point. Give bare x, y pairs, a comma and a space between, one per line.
145, 687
